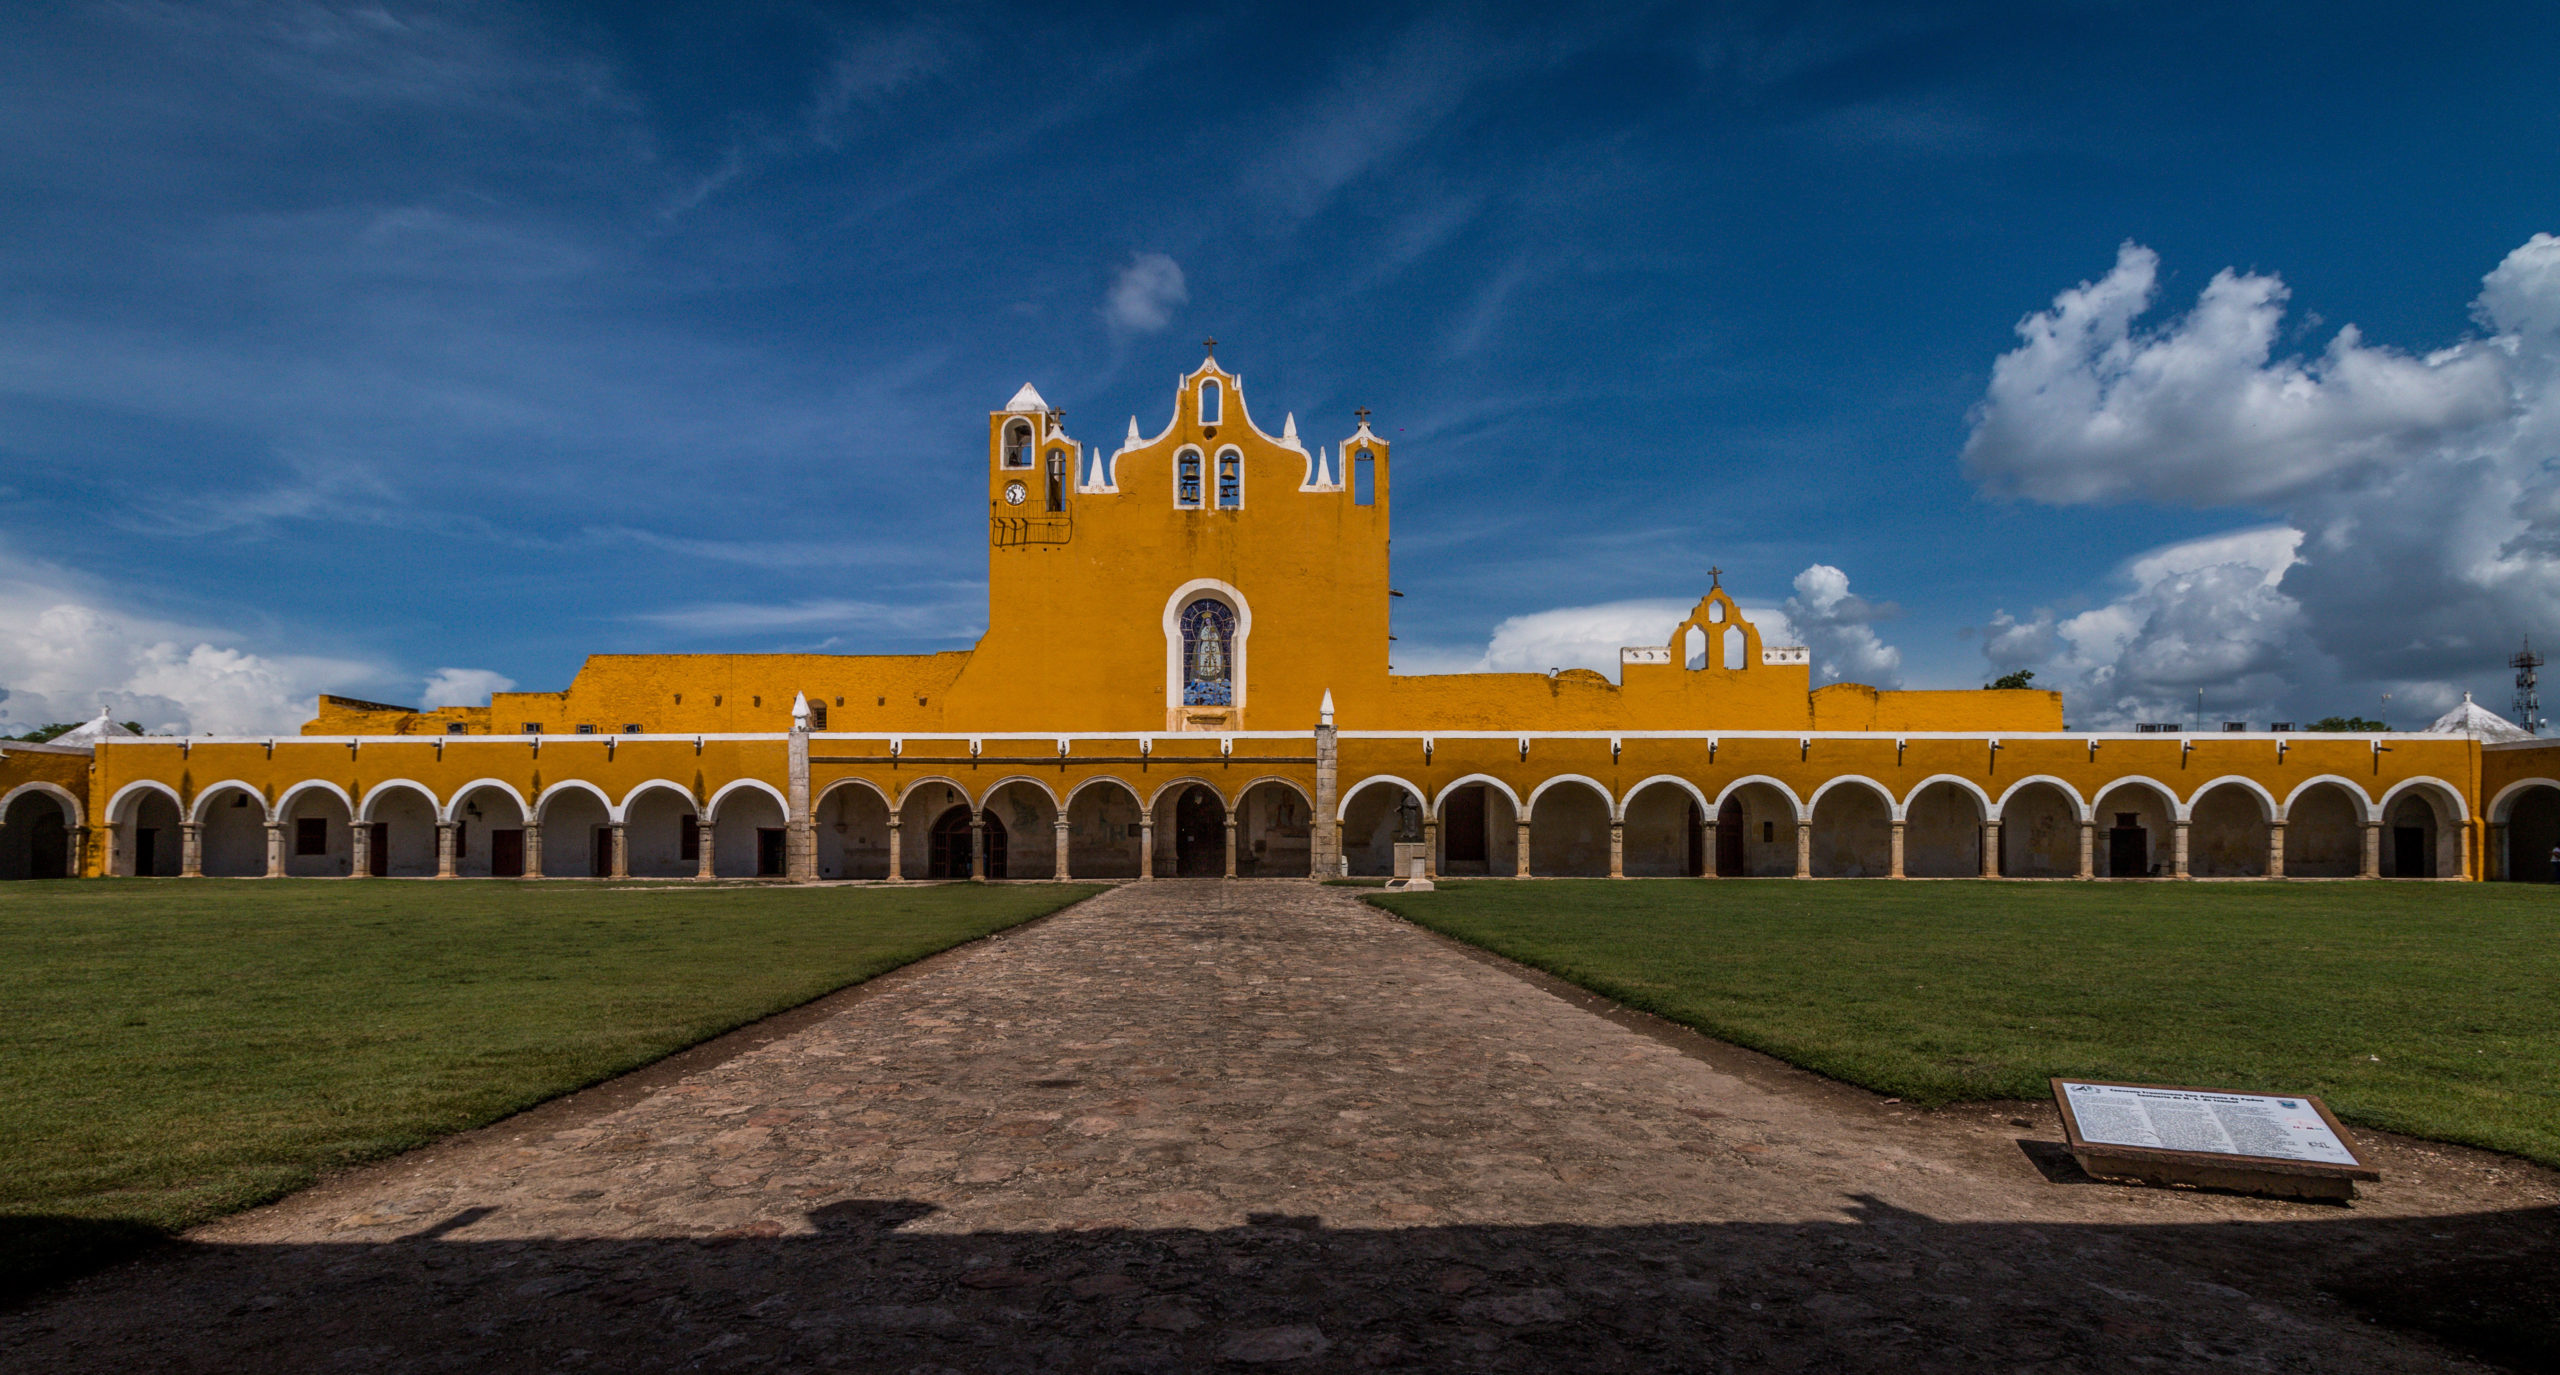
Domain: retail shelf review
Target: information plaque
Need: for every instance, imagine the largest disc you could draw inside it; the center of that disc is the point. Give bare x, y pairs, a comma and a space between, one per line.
2211, 1138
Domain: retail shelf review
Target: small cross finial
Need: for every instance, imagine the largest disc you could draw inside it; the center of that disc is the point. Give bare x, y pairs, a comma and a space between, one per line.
1363, 413
1716, 575
1210, 344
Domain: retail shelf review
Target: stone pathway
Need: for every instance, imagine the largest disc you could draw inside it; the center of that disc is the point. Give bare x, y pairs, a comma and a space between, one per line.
1194, 1123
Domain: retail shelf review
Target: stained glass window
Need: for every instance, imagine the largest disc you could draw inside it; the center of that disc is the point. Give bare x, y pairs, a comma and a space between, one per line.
1208, 654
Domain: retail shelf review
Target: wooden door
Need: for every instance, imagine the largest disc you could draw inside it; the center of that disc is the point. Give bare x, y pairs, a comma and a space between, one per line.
1730, 861
1462, 830
506, 854
379, 862
768, 852
2128, 852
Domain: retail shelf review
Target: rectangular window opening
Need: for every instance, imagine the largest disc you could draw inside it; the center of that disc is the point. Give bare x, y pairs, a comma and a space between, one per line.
817, 716
631, 728
586, 728
456, 728
533, 728
1364, 479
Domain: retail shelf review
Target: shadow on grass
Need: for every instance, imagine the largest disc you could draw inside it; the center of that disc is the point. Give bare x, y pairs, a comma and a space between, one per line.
858, 1283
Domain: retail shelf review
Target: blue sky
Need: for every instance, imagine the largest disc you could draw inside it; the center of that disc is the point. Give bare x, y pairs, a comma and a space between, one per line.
343, 347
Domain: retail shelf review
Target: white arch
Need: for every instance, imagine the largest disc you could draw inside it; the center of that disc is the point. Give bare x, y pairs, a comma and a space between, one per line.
1008, 781
2268, 808
1608, 800
62, 797
1172, 783
373, 797
205, 796
116, 811
1892, 810
1684, 785
2079, 804
1183, 596
831, 790
623, 810
1497, 785
2501, 806
899, 808
463, 794
2461, 810
711, 809
1342, 809
284, 804
1290, 784
2168, 795
541, 804
1102, 780
1983, 800
1737, 785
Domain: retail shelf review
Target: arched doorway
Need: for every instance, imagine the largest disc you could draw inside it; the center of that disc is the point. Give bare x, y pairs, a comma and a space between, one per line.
1942, 833
1275, 832
1199, 834
1106, 830
1569, 832
1665, 833
1374, 818
2136, 832
1852, 832
2324, 832
2039, 832
35, 842
2227, 833
949, 855
2533, 833
1756, 833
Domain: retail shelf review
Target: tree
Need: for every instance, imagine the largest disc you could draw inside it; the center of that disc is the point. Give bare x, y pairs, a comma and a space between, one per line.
2338, 725
2019, 679
43, 733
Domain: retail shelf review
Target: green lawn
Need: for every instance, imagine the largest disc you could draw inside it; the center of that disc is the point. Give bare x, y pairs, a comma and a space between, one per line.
175, 1050
2421, 1009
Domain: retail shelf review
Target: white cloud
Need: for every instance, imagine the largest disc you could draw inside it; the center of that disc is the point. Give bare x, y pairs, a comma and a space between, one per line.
463, 687
66, 650
2418, 496
1146, 293
1839, 627
1577, 636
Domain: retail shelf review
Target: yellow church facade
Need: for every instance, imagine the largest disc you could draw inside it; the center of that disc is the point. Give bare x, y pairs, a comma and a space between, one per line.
1186, 672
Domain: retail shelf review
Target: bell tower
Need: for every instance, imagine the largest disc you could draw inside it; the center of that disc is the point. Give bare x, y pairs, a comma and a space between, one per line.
1031, 474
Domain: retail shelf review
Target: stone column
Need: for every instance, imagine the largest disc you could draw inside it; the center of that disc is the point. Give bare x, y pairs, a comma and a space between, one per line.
1709, 840
275, 849
1324, 834
190, 850
1520, 860
2088, 849
2470, 831
2275, 849
617, 839
977, 845
532, 849
1060, 868
1147, 846
1617, 849
1340, 868
1431, 847
1991, 849
800, 833
1897, 850
897, 862
2372, 850
1231, 843
2178, 848
2495, 863
79, 839
444, 848
359, 851
1804, 849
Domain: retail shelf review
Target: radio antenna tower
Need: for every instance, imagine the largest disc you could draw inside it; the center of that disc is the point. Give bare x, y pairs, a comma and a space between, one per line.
2528, 702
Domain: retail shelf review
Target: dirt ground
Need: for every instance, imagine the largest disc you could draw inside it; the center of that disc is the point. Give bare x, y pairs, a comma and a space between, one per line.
1195, 1124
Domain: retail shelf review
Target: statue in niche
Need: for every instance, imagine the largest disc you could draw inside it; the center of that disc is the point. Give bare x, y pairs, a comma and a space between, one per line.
1208, 654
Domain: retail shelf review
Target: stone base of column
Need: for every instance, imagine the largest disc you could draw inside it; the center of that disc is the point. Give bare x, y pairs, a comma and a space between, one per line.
1804, 849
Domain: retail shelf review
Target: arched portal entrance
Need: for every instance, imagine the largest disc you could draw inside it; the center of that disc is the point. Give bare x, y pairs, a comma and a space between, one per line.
949, 853
35, 841
1199, 834
2533, 835
1756, 833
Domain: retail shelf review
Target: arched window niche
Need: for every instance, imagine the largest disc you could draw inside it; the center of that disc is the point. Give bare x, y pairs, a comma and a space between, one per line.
1017, 445
1206, 627
1230, 480
1186, 479
1210, 396
1057, 479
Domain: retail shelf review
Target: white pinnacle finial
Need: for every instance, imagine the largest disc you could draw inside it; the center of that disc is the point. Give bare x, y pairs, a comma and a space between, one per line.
1324, 714
799, 711
1289, 429
1133, 432
1324, 468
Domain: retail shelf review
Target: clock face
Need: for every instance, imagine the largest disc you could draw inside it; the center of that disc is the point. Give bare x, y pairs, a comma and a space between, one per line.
1014, 493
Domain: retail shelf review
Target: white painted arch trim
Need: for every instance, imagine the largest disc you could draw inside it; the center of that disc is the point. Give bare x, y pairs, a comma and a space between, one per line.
118, 813
2169, 795
542, 804
1008, 781
908, 793
461, 796
373, 797
1892, 809
72, 811
285, 803
623, 809
1442, 799
711, 809
2501, 806
1103, 780
1342, 809
1982, 801
2355, 790
1662, 779
2079, 804
820, 801
2269, 809
1183, 596
1247, 790
1801, 811
1173, 785
206, 795
1608, 800
2461, 809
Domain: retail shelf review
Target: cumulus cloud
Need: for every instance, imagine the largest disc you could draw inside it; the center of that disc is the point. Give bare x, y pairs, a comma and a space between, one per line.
1577, 636
463, 687
2418, 495
1839, 627
66, 650
1146, 293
